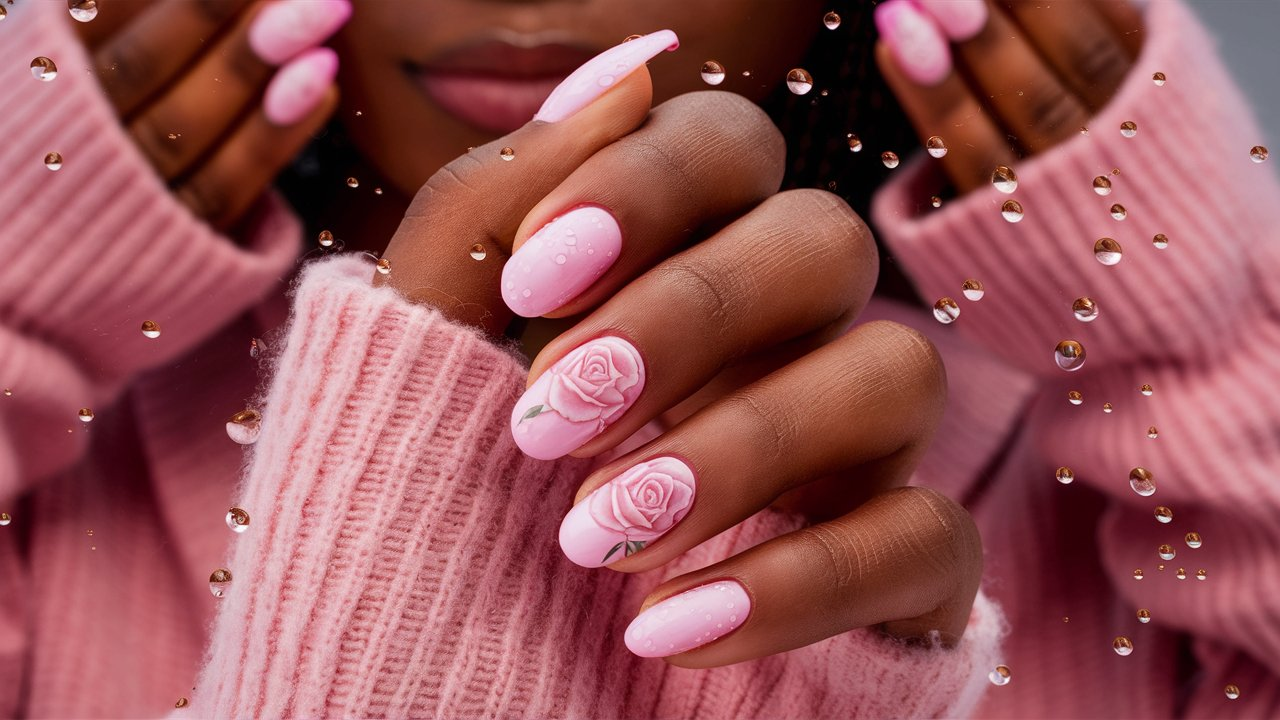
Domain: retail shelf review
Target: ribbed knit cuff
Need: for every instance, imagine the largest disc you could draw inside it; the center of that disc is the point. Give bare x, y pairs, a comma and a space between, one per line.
1186, 174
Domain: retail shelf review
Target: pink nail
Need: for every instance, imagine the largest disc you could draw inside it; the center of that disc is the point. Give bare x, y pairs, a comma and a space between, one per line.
689, 620
601, 72
561, 260
577, 398
287, 27
915, 41
633, 509
959, 19
299, 86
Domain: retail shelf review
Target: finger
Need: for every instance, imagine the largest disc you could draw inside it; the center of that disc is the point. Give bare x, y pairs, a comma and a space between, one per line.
1126, 21
794, 264
1079, 44
106, 19
864, 407
656, 187
908, 561
481, 197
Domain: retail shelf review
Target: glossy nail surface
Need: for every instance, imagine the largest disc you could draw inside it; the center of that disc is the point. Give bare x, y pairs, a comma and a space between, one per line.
577, 398
561, 260
633, 509
915, 40
601, 73
959, 19
689, 620
299, 86
287, 27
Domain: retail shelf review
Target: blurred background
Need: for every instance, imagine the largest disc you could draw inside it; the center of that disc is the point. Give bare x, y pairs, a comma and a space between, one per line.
1246, 31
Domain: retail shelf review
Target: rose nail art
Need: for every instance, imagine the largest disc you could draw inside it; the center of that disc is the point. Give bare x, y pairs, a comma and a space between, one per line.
915, 41
287, 27
577, 398
689, 620
622, 516
561, 260
601, 73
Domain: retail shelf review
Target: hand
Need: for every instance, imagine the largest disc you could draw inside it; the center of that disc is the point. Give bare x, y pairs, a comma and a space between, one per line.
767, 281
1000, 80
219, 95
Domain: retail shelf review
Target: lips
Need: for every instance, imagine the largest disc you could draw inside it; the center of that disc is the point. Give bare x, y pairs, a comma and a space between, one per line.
496, 86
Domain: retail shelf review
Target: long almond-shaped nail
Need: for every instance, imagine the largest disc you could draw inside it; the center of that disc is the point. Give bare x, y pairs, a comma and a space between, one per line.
959, 19
915, 41
299, 86
577, 398
689, 620
285, 28
601, 72
561, 260
633, 509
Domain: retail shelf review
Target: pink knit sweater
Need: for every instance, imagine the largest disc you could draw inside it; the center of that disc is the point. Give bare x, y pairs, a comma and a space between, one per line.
401, 556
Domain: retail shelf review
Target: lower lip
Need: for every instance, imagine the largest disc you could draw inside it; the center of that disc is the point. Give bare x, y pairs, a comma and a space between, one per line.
488, 102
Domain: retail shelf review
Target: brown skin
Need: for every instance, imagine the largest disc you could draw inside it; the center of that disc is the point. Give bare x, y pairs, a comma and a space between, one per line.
769, 400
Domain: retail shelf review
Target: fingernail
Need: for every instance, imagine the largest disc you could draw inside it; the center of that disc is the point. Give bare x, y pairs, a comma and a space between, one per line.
959, 19
287, 27
689, 620
633, 509
601, 72
577, 398
915, 41
561, 260
299, 86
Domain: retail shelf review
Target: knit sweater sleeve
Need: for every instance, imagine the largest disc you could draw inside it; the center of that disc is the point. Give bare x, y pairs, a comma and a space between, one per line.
402, 558
94, 249
1198, 321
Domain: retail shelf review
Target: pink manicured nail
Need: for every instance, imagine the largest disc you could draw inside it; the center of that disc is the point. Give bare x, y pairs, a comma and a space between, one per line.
622, 516
287, 27
601, 72
577, 398
561, 260
299, 86
688, 620
915, 41
959, 19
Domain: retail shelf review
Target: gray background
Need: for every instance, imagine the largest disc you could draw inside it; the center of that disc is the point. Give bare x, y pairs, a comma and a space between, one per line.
1248, 34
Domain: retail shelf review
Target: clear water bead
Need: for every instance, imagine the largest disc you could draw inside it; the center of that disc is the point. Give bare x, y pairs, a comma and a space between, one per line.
384, 266
1153, 432
85, 415
353, 182
1065, 475
1128, 128
799, 81
1158, 78
1164, 515
890, 159
1232, 692
1166, 552
150, 329
257, 346
855, 144
1075, 397
973, 290
1107, 251
1000, 676
1181, 574
946, 311
53, 161
42, 68
936, 147
1193, 540
478, 252
935, 201
244, 426
1144, 616
1160, 241
1011, 211
237, 520
1102, 185
1146, 389
508, 154
220, 582
1118, 212
712, 72
1004, 179
1107, 408
831, 20
5, 519
83, 10
1069, 355
1137, 574
3, 13
1122, 645
1258, 153
1085, 309
1142, 481
325, 238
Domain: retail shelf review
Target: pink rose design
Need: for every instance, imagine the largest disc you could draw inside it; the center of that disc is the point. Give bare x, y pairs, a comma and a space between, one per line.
589, 384
645, 501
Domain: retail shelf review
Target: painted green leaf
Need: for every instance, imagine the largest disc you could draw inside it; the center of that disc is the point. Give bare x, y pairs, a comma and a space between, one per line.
533, 412
612, 550
634, 546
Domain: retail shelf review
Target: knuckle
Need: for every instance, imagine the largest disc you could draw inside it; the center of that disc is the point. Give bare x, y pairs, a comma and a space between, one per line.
453, 183
206, 197
1050, 107
711, 293
1100, 60
838, 227
915, 361
771, 429
129, 64
841, 548
147, 135
944, 529
714, 124
215, 11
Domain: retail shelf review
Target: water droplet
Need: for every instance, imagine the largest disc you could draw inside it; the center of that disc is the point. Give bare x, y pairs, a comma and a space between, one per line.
1137, 574
507, 154
1146, 390
1164, 514
244, 426
1152, 432
1193, 540
855, 144
1065, 475
1258, 153
1000, 676
181, 703
1074, 397
3, 13
377, 191
935, 201
1004, 179
1142, 481
746, 73
1232, 692
478, 252
53, 161
946, 311
384, 266
1160, 241
5, 519
1084, 130
1128, 128
1118, 212
1069, 355
237, 520
799, 81
325, 238
1122, 645
8, 392
973, 290
150, 329
220, 582
1158, 78
1085, 309
42, 68
561, 259
712, 72
1166, 552
936, 147
174, 136
1102, 185
353, 182
83, 10
1011, 211
1107, 408
86, 415
831, 20
1107, 251
256, 347
890, 159
1144, 615
1181, 574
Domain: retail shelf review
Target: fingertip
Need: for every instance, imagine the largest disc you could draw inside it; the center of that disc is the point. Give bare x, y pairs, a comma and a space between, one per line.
300, 86
917, 43
960, 20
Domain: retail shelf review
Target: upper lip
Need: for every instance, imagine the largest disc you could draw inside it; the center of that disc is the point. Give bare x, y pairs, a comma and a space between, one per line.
503, 59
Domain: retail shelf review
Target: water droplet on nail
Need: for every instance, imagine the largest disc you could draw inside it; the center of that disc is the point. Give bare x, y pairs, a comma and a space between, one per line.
1004, 179
325, 238
384, 266
1074, 397
42, 68
526, 292
712, 72
999, 676
936, 147
1065, 475
1128, 128
855, 144
507, 154
1069, 355
86, 415
1166, 552
561, 259
150, 329
1158, 78
83, 10
220, 582
1144, 616
1232, 692
890, 159
1142, 481
973, 290
1193, 540
946, 311
237, 520
478, 252
1122, 645
1011, 211
1102, 185
1164, 514
53, 161
244, 426
1085, 309
1118, 212
831, 20
1107, 251
799, 81
1258, 153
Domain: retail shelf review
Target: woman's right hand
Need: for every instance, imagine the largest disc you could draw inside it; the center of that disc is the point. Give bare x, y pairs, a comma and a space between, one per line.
219, 95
